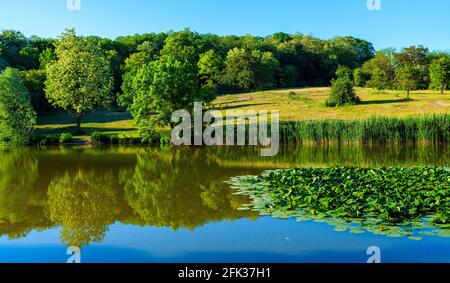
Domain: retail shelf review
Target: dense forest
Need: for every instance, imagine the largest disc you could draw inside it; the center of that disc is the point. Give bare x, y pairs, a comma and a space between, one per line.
154, 74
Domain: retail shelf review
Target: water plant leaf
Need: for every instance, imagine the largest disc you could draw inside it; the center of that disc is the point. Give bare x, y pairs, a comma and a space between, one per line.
391, 201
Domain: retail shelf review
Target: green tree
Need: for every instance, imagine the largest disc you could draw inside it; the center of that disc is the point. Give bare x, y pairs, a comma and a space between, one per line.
17, 117
265, 67
416, 59
360, 77
239, 72
440, 73
29, 58
289, 76
344, 72
34, 80
342, 92
210, 66
162, 87
146, 53
80, 80
379, 80
249, 70
47, 57
407, 78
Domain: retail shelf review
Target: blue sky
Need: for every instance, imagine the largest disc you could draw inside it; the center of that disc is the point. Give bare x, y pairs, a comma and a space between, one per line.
399, 23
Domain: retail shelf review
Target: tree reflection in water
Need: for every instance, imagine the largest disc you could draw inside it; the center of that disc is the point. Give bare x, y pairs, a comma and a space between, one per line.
85, 191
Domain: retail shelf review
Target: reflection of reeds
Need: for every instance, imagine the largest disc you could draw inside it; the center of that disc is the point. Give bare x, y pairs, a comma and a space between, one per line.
308, 155
374, 130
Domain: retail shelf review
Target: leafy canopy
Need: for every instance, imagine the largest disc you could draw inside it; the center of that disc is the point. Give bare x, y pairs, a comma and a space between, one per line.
80, 80
17, 117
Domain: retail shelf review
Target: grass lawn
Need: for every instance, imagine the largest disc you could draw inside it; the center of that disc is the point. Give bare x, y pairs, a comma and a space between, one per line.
308, 103
120, 123
305, 104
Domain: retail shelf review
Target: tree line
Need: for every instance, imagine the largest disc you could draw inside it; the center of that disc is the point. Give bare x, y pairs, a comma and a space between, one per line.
154, 74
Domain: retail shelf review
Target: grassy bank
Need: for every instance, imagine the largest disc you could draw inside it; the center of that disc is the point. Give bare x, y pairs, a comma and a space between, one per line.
384, 117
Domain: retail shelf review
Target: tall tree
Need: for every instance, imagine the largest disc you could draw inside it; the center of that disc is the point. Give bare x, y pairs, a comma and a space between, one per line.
17, 117
440, 73
407, 78
80, 80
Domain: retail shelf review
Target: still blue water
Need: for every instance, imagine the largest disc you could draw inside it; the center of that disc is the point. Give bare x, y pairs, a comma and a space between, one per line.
163, 205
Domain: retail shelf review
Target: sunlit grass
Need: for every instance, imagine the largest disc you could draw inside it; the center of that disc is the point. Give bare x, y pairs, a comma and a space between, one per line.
309, 104
108, 122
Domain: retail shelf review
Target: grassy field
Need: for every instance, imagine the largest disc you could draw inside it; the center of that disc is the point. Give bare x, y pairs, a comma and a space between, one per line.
293, 104
110, 122
308, 104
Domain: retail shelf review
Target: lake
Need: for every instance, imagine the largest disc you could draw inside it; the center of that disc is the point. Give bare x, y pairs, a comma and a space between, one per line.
151, 204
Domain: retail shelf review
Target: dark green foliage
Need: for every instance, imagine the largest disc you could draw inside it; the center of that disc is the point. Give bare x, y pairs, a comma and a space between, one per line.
342, 93
65, 138
45, 140
391, 201
102, 138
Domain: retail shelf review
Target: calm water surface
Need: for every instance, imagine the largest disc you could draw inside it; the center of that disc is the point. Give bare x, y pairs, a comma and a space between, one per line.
134, 204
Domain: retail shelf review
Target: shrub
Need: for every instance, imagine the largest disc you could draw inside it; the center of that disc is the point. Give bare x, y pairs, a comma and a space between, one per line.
342, 93
104, 138
66, 138
44, 140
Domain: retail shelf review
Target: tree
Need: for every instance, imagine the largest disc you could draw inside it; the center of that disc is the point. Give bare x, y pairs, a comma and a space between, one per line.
47, 57
379, 80
3, 64
360, 77
407, 78
34, 80
250, 70
382, 65
146, 52
162, 87
80, 80
344, 72
440, 73
288, 76
416, 58
342, 92
17, 117
29, 58
265, 67
210, 66
239, 72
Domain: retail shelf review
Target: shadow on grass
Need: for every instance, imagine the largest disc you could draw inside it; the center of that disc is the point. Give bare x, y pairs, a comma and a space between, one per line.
386, 101
64, 118
84, 130
241, 106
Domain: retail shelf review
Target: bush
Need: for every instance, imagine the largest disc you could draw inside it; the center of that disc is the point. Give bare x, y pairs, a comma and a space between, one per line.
342, 93
66, 138
103, 138
44, 140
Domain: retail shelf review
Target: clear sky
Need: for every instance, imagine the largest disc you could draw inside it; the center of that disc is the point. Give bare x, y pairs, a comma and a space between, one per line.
399, 23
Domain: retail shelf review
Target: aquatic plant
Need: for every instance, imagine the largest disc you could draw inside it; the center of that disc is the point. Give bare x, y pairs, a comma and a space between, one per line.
390, 201
374, 130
